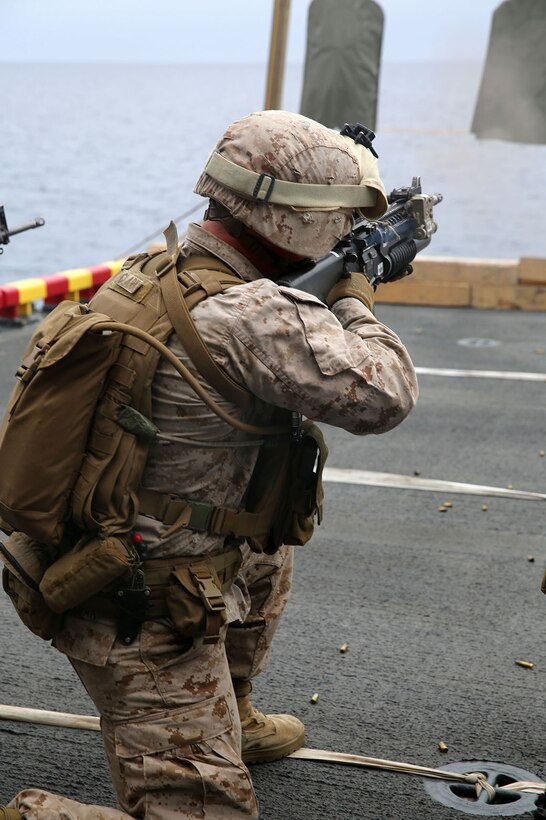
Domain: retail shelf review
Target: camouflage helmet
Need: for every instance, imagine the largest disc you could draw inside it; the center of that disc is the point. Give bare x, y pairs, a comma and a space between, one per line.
292, 180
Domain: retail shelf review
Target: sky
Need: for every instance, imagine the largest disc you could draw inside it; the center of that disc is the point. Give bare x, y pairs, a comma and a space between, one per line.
220, 31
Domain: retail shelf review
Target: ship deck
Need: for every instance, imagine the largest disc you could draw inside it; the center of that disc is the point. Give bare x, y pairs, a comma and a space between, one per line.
435, 606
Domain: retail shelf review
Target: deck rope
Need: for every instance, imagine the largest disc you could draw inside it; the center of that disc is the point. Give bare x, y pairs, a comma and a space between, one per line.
478, 779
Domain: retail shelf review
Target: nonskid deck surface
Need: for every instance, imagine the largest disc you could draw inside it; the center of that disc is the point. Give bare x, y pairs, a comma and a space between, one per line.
435, 606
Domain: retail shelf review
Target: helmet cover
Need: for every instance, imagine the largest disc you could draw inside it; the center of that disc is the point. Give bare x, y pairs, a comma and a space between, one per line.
295, 149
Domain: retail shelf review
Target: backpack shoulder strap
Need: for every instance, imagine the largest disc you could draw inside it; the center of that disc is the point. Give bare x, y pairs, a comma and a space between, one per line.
204, 276
173, 288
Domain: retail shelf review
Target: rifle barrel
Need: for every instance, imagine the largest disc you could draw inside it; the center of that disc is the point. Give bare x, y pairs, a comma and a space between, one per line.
37, 223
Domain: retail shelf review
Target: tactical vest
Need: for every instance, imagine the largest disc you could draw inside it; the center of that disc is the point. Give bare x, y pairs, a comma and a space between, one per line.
77, 429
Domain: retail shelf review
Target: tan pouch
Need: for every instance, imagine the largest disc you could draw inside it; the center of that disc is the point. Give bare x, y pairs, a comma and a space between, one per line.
90, 566
24, 563
195, 602
192, 590
62, 373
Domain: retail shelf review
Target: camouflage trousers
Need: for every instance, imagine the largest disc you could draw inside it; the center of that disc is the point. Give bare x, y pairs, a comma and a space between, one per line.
169, 717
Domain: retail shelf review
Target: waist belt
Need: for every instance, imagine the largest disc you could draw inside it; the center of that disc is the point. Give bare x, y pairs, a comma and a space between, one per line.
156, 575
157, 571
178, 513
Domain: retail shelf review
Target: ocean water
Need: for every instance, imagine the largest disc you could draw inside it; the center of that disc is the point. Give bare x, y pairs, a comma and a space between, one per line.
108, 154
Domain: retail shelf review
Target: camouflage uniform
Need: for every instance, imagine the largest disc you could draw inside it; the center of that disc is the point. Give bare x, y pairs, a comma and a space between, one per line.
168, 714
169, 718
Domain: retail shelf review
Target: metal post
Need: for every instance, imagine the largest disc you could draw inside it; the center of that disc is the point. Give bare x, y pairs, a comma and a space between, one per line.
277, 53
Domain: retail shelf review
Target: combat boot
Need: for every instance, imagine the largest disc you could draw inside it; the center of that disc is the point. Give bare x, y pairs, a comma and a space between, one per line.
265, 737
10, 814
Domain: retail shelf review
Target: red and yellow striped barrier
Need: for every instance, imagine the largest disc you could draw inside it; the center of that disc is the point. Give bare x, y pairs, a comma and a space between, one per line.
17, 298
501, 284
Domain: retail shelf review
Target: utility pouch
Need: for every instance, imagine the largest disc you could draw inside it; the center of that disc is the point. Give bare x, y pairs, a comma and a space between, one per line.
88, 568
306, 490
24, 563
193, 591
285, 491
195, 602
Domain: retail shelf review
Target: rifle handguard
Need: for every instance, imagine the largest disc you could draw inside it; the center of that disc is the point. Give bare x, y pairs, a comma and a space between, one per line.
355, 285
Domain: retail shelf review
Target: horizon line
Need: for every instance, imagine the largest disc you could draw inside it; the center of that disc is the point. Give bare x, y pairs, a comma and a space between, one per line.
47, 61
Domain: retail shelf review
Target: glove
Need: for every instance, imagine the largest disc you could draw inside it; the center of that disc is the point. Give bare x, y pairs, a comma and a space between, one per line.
355, 285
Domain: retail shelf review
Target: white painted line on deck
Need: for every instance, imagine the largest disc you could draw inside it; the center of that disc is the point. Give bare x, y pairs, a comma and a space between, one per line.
406, 482
481, 374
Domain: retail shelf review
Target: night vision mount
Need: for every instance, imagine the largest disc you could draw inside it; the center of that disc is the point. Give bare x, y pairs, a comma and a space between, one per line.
361, 135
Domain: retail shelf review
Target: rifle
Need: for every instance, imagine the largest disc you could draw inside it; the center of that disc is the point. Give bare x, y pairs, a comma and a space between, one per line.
5, 232
382, 249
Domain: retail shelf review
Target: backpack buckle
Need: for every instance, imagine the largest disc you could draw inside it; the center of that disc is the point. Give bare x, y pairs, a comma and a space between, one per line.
30, 363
